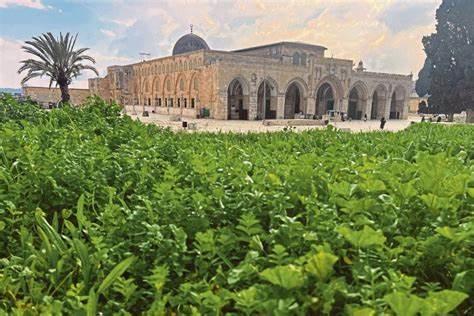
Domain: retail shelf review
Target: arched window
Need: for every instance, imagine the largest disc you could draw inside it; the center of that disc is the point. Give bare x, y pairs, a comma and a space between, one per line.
168, 85
303, 59
185, 66
195, 83
181, 84
296, 58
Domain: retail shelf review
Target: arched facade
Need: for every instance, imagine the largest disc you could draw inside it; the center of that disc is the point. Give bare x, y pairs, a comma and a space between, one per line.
358, 95
295, 98
276, 81
238, 100
398, 103
379, 102
267, 94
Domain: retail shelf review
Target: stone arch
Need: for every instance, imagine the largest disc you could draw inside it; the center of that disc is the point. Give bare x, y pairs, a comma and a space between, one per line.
156, 90
295, 95
192, 92
358, 95
167, 86
180, 84
136, 92
379, 101
335, 84
181, 91
156, 85
397, 104
328, 99
303, 85
267, 98
238, 99
193, 76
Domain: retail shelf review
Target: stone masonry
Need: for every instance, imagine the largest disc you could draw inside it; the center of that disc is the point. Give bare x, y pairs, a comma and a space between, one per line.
275, 81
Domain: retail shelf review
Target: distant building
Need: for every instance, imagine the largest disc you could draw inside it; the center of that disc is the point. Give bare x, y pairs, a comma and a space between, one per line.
415, 100
279, 80
46, 96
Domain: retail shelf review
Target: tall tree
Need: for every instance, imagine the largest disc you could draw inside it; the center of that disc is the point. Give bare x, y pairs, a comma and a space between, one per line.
422, 86
450, 51
57, 59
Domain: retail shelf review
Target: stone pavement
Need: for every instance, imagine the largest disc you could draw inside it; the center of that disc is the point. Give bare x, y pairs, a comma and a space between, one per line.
210, 125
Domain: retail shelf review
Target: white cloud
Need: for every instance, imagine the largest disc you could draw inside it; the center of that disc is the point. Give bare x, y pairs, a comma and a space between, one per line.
108, 33
33, 4
126, 22
353, 29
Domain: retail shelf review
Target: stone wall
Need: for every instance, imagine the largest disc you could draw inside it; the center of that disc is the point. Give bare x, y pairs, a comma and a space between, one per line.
44, 95
169, 84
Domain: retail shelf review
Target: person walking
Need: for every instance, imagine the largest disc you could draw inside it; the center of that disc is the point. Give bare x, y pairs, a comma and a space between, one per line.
382, 122
423, 118
365, 117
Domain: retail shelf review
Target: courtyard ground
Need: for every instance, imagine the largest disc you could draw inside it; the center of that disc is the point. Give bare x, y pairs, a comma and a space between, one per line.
210, 125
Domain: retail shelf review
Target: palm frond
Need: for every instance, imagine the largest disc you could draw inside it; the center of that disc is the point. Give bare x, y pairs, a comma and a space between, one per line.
55, 57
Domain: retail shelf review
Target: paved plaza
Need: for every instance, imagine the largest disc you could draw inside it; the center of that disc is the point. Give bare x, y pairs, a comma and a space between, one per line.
210, 125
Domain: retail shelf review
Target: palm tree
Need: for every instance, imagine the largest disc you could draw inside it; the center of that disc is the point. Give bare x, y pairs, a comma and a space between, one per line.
57, 59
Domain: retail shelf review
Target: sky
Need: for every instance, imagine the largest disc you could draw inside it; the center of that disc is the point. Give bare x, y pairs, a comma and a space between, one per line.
385, 34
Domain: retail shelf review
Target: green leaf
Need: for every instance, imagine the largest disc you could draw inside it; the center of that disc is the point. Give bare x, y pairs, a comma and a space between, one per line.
470, 192
91, 308
373, 185
52, 234
404, 304
443, 302
464, 281
288, 277
80, 212
364, 238
361, 311
321, 265
115, 273
436, 203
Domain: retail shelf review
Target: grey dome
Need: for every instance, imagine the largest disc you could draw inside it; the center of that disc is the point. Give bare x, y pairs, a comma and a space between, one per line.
189, 43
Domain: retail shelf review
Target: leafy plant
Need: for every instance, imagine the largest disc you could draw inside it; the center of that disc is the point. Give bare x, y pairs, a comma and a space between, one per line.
102, 214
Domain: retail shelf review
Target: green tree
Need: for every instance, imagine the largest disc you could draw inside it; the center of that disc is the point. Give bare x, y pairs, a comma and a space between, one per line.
450, 51
57, 59
424, 79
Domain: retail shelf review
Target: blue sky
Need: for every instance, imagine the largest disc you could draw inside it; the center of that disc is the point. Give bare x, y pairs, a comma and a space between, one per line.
385, 34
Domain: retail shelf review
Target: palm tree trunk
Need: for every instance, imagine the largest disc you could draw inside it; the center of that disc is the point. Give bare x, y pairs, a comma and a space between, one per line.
65, 97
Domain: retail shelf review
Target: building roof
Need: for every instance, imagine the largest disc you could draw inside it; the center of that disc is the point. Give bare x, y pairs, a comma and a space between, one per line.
305, 45
189, 43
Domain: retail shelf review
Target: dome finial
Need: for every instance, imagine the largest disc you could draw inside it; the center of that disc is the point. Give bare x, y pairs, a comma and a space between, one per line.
191, 27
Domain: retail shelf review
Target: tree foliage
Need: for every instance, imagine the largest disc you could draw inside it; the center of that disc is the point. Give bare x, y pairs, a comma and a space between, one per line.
424, 79
57, 59
448, 74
